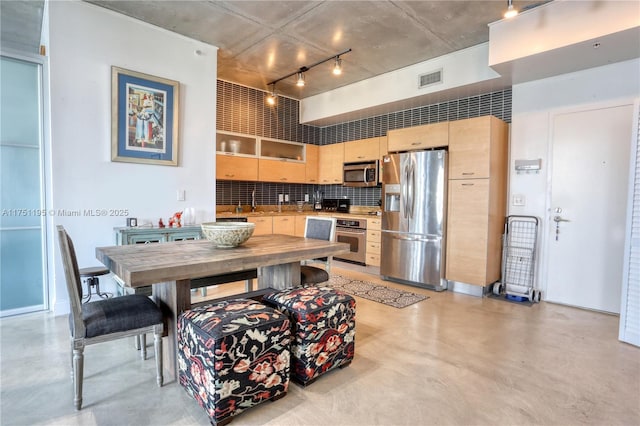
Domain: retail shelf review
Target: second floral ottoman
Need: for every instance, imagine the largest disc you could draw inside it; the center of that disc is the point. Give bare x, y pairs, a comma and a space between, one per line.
323, 326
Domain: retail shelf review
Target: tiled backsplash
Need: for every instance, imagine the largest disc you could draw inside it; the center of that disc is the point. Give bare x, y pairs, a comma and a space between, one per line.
230, 192
244, 110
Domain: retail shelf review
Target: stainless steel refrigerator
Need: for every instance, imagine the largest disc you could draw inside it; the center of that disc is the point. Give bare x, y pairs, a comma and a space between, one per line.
414, 197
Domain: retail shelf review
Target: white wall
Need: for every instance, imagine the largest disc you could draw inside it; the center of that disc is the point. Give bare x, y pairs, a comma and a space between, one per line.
459, 69
85, 41
533, 104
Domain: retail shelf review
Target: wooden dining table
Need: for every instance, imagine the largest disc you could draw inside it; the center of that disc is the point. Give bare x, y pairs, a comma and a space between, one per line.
169, 267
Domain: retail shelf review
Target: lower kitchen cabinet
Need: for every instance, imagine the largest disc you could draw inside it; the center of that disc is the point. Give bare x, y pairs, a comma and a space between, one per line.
301, 222
284, 225
264, 224
473, 234
373, 242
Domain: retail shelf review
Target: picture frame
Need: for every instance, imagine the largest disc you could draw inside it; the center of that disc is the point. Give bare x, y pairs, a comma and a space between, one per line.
144, 118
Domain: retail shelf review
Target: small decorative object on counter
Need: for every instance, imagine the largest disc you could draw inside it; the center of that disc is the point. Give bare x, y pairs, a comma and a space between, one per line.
160, 223
239, 208
175, 220
132, 221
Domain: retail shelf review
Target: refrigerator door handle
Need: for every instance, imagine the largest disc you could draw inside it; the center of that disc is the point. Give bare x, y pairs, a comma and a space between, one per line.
405, 192
413, 186
426, 238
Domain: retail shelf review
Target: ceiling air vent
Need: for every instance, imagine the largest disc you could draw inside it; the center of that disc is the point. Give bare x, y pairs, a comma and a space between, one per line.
429, 79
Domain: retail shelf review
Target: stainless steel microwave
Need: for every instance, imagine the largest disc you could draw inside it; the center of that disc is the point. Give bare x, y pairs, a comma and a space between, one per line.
360, 174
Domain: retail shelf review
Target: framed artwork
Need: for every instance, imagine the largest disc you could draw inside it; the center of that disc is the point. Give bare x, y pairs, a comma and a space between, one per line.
144, 118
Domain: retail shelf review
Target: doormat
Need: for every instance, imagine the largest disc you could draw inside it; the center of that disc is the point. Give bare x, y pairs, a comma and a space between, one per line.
376, 292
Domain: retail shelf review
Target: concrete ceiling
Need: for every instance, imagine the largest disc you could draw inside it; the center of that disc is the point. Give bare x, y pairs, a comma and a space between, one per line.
261, 41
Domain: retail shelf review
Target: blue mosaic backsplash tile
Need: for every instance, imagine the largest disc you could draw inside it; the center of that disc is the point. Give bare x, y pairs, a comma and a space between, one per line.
244, 110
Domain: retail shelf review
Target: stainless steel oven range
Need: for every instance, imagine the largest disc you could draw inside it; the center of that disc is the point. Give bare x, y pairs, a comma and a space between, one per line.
354, 233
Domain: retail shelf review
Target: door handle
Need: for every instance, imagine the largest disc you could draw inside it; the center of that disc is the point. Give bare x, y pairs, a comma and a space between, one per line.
558, 219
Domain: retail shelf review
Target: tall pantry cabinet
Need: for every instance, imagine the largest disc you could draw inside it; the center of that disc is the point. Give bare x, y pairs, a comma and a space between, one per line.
477, 199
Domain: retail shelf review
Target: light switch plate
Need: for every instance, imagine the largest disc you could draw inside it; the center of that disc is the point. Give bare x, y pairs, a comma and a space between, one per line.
180, 194
518, 200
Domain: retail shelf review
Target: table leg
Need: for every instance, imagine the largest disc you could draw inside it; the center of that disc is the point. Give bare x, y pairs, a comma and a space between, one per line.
280, 277
173, 297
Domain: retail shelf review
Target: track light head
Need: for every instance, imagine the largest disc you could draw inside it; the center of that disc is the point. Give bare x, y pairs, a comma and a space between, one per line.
272, 97
300, 79
511, 11
337, 67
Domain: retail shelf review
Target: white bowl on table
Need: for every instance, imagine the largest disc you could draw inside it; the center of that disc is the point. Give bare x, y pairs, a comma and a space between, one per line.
227, 234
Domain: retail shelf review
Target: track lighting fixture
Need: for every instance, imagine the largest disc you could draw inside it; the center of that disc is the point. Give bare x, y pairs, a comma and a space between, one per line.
511, 11
300, 73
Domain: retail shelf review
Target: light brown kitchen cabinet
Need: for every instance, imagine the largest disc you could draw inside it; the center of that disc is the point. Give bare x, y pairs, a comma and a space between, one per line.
362, 150
331, 163
284, 225
301, 222
311, 164
418, 137
384, 150
264, 224
372, 253
283, 171
230, 167
475, 147
476, 200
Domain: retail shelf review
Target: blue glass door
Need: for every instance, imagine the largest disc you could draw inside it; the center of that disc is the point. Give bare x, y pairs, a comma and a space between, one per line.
22, 214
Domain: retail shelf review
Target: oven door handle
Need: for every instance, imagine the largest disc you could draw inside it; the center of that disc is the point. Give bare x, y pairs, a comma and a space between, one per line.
351, 231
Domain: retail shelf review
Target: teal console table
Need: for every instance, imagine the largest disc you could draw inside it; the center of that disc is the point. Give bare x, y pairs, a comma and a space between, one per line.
142, 235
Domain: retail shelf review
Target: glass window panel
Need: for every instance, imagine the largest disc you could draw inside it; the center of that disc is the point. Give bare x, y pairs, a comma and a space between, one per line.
21, 269
19, 103
20, 187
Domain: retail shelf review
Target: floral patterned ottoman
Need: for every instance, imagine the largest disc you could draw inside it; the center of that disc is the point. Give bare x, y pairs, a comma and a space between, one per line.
233, 355
323, 324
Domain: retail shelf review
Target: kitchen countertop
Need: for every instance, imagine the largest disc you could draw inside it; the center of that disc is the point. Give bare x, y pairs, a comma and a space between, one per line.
358, 212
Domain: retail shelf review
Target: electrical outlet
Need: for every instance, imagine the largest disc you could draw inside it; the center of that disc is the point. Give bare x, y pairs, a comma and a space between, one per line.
286, 198
180, 194
280, 198
306, 198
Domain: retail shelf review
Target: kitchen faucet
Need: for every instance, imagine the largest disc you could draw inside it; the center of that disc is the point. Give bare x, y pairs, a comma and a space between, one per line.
253, 200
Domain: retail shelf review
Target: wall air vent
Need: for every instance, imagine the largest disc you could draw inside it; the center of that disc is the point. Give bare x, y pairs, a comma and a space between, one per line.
429, 79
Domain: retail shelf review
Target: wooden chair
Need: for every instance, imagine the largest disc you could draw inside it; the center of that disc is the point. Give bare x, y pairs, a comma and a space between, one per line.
105, 320
320, 228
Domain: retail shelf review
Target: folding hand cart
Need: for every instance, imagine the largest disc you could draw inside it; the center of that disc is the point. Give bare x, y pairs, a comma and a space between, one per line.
518, 259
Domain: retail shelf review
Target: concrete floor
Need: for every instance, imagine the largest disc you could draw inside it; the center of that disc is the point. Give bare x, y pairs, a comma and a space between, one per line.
451, 359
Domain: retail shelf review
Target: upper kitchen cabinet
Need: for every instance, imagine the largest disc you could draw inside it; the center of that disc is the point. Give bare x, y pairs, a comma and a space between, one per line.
362, 150
384, 150
331, 163
418, 137
236, 157
281, 161
311, 164
477, 147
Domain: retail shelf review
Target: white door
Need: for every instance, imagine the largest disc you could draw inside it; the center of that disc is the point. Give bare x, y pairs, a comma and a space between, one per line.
590, 162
